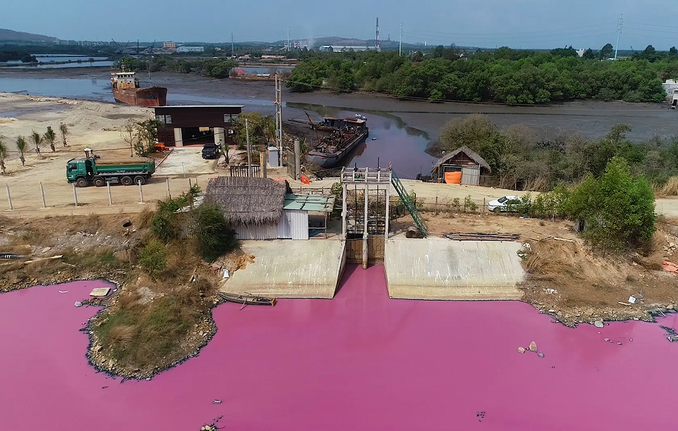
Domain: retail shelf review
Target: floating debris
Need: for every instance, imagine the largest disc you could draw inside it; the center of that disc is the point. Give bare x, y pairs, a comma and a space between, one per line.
216, 401
521, 350
78, 304
598, 323
533, 347
540, 354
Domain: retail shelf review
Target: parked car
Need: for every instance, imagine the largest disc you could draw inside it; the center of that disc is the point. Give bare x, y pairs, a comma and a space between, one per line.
504, 203
211, 151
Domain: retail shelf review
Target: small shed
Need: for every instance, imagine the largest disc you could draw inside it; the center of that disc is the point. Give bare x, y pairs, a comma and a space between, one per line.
462, 160
262, 208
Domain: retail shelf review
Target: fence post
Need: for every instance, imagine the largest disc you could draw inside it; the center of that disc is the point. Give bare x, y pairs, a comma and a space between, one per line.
189, 184
435, 211
141, 193
75, 195
169, 194
42, 194
110, 196
9, 198
484, 206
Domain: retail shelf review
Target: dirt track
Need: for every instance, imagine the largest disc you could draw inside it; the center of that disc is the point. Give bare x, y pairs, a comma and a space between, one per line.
96, 125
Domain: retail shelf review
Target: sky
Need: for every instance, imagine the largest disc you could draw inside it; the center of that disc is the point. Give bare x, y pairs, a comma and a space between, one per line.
483, 23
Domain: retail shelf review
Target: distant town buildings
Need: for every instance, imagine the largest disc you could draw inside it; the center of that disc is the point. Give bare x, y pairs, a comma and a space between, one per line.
185, 49
345, 48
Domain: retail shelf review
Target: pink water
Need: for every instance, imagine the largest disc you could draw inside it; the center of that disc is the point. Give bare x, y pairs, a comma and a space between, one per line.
358, 362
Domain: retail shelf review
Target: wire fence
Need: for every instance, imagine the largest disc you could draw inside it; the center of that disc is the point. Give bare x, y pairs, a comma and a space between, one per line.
28, 197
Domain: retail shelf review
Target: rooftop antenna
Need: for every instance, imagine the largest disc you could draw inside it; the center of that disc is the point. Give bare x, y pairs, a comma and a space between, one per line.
376, 39
620, 24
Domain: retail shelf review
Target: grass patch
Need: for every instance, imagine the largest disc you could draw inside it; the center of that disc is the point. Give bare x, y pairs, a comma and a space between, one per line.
93, 259
150, 336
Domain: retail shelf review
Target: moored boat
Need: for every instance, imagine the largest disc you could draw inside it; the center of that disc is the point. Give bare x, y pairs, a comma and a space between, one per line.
247, 299
332, 149
126, 89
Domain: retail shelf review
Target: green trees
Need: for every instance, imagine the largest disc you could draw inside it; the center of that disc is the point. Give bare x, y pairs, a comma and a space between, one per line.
21, 146
504, 75
606, 52
617, 209
212, 235
64, 132
37, 140
145, 137
261, 129
3, 156
50, 137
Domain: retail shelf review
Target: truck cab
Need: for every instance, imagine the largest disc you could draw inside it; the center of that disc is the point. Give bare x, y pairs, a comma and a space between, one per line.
79, 171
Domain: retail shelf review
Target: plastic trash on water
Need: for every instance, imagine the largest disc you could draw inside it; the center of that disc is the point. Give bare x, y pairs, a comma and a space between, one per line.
226, 273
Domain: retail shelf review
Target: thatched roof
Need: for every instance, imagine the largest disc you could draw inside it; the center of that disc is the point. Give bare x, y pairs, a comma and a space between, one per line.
466, 150
249, 201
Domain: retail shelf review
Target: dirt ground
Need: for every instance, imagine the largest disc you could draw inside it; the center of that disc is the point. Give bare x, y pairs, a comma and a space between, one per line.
569, 280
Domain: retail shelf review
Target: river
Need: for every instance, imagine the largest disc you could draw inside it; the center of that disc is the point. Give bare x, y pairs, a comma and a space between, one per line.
403, 128
358, 362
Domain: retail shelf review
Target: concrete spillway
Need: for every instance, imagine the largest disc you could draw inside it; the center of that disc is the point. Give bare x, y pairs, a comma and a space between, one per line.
290, 269
441, 269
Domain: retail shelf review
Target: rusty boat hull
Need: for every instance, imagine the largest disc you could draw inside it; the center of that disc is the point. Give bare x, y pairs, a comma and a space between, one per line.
149, 96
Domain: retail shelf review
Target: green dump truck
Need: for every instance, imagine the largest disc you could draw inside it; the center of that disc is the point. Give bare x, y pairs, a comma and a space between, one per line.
93, 170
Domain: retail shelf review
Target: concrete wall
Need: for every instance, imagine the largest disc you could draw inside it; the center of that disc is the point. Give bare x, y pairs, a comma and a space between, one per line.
441, 269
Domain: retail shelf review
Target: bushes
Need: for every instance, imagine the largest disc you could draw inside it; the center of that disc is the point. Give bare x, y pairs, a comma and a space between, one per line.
617, 209
210, 232
205, 225
153, 258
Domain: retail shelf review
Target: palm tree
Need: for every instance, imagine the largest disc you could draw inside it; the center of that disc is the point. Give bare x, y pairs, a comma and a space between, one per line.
50, 137
37, 140
21, 145
64, 132
3, 156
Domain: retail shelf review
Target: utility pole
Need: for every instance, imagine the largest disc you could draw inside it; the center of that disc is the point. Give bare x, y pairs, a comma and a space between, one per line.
288, 39
620, 24
249, 149
400, 47
278, 116
232, 52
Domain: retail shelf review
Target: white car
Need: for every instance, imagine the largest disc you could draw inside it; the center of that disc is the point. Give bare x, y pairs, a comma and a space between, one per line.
503, 204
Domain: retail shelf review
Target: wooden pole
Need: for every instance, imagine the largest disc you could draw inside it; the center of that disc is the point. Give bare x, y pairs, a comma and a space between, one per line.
9, 198
263, 158
42, 193
169, 194
141, 193
75, 195
110, 196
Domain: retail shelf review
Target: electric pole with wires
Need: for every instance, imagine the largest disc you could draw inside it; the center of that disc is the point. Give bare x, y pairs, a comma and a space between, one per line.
620, 24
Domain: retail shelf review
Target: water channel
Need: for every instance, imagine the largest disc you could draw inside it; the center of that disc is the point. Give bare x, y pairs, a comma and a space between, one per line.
358, 362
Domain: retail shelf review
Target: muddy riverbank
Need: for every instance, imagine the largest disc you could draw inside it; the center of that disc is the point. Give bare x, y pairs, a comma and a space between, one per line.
591, 119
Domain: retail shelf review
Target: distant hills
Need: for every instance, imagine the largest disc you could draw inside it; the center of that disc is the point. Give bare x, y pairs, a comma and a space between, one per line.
20, 36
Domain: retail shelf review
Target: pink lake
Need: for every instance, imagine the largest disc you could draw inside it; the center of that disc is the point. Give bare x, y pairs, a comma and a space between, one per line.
358, 362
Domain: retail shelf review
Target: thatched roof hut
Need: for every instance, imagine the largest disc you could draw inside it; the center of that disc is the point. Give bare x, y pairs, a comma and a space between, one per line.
461, 156
248, 201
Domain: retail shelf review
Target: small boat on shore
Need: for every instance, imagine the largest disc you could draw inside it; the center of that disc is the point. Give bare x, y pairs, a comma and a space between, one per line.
332, 149
247, 299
